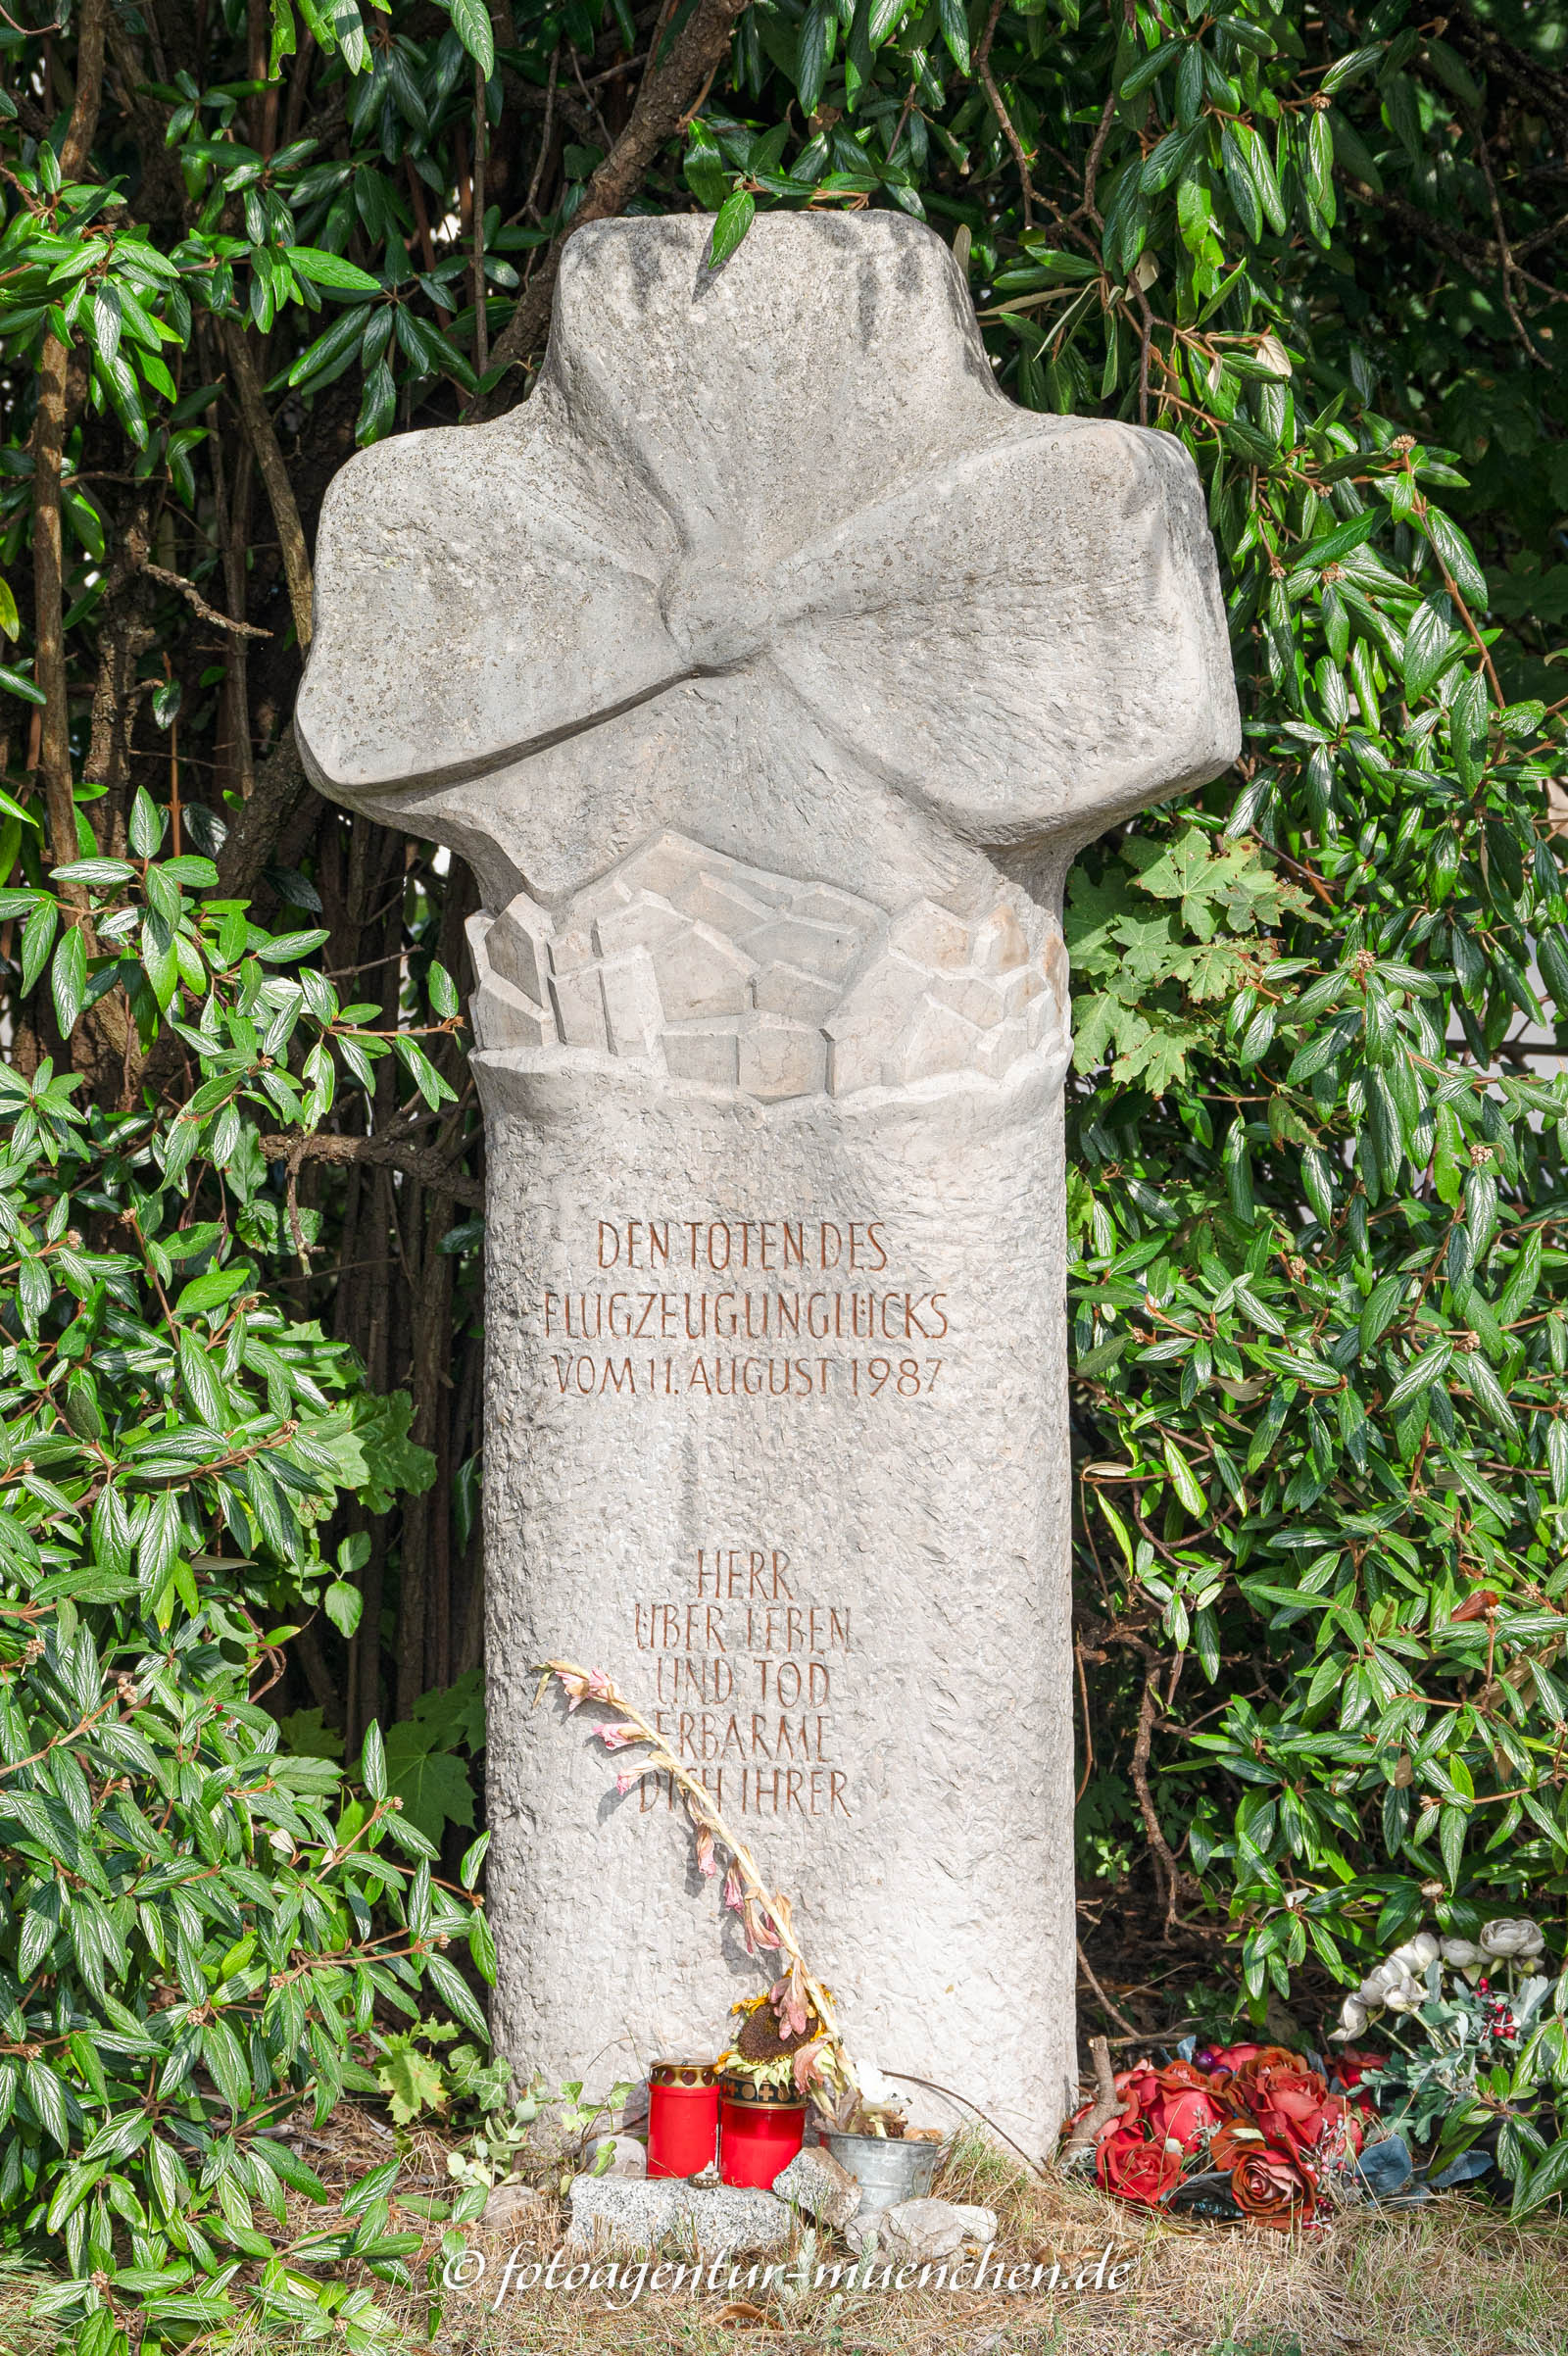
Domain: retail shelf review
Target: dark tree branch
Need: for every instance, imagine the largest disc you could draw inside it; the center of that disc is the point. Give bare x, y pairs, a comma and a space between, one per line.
251, 401
665, 100
194, 598
433, 1169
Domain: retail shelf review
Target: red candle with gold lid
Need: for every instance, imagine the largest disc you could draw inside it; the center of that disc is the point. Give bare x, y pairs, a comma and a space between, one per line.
760, 2129
683, 2117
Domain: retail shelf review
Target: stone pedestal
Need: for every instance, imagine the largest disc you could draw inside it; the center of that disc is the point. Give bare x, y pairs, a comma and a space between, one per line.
776, 1428
769, 667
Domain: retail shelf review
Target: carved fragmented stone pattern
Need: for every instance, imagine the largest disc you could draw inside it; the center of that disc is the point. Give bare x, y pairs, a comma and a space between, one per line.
699, 966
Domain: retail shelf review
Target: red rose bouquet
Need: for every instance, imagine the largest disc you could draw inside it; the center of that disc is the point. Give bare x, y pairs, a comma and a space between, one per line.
1259, 2116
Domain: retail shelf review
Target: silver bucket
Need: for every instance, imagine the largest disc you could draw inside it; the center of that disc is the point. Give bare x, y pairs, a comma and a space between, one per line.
887, 2168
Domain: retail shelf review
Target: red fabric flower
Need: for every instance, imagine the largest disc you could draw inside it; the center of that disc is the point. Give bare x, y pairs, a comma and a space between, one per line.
1183, 2114
1138, 2168
1287, 2099
1138, 2088
1343, 2131
1175, 2104
1179, 2104
1267, 2115
1348, 2066
1271, 2187
1226, 2057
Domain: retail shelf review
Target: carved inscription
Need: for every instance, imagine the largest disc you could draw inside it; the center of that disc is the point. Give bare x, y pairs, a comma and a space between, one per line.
748, 1670
786, 1308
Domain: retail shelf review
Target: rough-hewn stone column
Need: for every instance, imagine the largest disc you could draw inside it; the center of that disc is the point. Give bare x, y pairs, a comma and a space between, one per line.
770, 666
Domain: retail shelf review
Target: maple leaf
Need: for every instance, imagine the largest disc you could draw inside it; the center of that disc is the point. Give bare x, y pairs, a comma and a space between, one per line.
1090, 918
1159, 1056
1151, 951
1215, 970
412, 2084
1095, 1022
432, 1785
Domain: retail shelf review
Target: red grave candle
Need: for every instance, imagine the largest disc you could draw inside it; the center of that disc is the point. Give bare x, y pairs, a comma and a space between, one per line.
683, 2117
760, 2129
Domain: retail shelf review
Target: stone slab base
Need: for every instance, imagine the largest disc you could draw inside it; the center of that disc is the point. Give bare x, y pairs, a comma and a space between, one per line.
618, 2213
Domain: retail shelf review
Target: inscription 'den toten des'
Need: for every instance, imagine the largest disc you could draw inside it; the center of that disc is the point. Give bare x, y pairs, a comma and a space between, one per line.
742, 1308
746, 1671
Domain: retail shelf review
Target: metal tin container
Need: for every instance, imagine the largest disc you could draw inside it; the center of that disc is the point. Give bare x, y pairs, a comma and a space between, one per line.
887, 2168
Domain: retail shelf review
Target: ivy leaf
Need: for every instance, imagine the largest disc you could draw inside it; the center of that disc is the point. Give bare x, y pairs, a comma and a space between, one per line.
412, 2082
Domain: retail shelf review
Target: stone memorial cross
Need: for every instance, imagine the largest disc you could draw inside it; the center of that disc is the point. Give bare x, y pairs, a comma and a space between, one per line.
769, 667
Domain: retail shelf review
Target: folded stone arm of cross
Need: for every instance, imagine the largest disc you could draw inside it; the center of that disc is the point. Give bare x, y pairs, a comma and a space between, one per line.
760, 657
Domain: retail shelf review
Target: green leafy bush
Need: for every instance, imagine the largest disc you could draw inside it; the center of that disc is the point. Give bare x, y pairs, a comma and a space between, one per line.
197, 1931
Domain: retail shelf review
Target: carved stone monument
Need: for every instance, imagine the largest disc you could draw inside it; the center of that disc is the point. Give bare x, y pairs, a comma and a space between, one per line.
769, 667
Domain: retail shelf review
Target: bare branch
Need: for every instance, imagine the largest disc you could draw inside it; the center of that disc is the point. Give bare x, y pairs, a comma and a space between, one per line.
193, 596
664, 98
988, 83
431, 1169
251, 400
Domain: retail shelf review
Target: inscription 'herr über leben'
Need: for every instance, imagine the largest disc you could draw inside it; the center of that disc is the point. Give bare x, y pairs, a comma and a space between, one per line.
769, 668
746, 1674
719, 1308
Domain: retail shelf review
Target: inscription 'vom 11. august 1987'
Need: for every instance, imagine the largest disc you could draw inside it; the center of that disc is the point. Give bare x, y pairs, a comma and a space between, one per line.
769, 667
789, 1308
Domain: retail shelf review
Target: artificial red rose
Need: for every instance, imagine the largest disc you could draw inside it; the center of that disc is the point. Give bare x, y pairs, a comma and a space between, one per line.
1348, 2068
1226, 2057
1271, 2188
1343, 2128
1287, 2102
1263, 2058
1182, 2074
1183, 2106
1138, 2088
1176, 2103
1247, 2092
1234, 2140
1138, 2168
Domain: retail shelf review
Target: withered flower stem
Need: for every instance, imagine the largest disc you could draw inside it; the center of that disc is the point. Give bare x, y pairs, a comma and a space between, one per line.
754, 1896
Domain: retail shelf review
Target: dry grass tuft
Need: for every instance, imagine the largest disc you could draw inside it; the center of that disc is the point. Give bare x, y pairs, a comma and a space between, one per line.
1450, 2279
1453, 2279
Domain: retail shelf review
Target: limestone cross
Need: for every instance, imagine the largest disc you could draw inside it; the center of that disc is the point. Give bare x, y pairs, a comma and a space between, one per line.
769, 667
